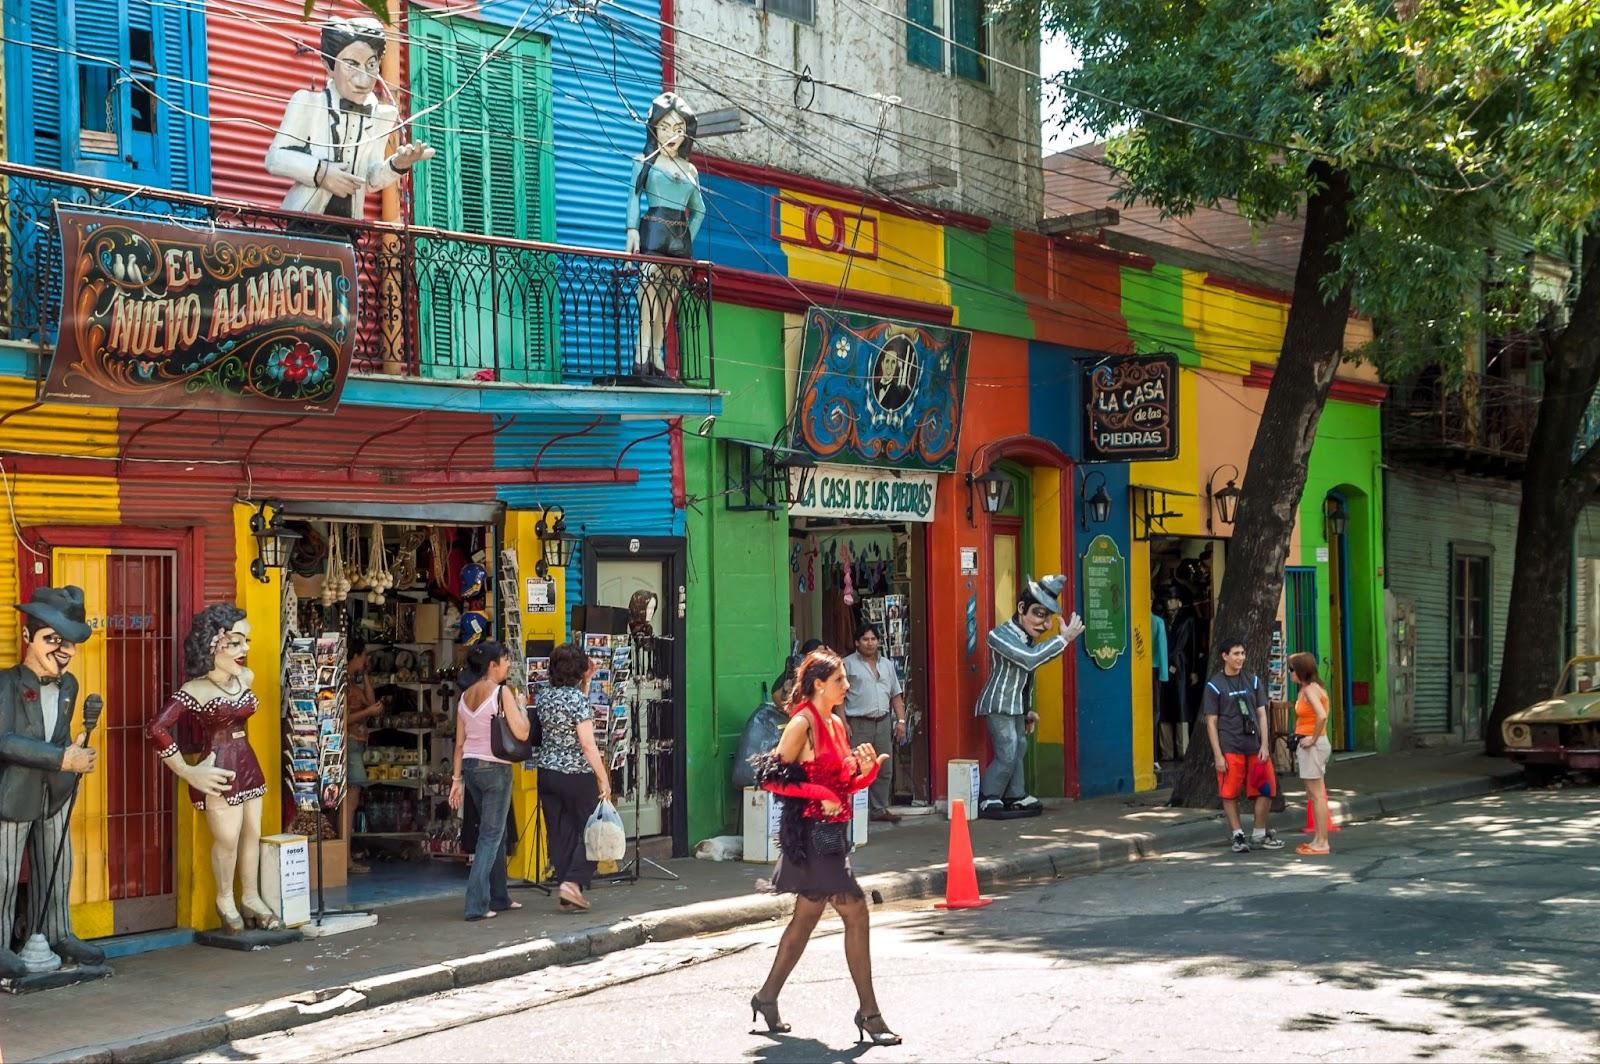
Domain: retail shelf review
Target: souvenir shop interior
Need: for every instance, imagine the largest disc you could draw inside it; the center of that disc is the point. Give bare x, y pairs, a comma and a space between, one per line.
1185, 573
845, 573
419, 596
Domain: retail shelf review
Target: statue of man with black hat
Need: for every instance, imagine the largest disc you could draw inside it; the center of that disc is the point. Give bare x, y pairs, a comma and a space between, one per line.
39, 771
1017, 649
334, 143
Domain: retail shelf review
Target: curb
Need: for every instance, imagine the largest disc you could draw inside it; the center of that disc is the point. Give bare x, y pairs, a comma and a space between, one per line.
710, 917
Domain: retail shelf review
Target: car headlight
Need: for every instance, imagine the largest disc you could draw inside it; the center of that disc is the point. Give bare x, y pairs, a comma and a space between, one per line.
1518, 734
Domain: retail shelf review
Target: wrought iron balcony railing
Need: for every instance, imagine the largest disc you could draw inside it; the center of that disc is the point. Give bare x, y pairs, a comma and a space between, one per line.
433, 304
1476, 420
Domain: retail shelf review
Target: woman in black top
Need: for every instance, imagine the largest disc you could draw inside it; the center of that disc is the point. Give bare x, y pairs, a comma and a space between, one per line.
572, 774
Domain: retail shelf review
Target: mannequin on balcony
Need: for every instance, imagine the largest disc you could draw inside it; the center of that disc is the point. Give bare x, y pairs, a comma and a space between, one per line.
334, 143
669, 186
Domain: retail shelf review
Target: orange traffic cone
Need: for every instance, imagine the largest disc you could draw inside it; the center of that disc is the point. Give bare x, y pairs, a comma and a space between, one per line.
1311, 821
960, 875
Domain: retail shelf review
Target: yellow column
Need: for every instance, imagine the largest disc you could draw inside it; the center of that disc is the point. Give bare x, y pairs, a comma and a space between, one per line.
1143, 725
1049, 681
90, 872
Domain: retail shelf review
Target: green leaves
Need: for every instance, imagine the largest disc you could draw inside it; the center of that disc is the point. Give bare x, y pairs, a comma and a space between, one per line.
379, 9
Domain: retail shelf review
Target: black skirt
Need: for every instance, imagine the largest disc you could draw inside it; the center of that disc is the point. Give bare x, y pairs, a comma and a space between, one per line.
818, 878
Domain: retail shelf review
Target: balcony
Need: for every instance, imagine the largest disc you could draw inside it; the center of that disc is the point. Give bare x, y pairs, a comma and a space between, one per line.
433, 305
1481, 424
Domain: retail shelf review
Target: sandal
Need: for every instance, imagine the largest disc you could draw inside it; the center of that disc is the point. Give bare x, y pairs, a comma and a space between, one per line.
575, 901
1305, 849
490, 915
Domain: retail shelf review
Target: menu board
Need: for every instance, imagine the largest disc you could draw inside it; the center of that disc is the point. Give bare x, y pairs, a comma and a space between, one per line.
1105, 602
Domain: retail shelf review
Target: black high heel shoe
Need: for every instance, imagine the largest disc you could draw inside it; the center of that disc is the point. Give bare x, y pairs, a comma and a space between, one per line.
881, 1037
769, 1012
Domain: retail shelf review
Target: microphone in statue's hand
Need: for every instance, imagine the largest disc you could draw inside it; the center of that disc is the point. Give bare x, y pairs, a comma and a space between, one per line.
91, 711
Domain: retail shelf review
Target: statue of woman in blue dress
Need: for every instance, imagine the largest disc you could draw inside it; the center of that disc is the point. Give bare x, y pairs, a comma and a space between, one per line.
669, 187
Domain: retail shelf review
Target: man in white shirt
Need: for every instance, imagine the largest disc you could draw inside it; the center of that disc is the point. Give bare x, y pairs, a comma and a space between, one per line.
875, 710
334, 143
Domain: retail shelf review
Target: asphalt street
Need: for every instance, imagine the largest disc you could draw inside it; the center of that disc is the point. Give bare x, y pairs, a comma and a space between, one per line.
1462, 932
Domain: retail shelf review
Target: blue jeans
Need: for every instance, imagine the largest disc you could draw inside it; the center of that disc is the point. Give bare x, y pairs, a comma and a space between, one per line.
489, 784
1005, 776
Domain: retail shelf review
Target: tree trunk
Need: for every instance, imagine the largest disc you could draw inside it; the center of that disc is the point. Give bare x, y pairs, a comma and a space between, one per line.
1554, 491
1313, 344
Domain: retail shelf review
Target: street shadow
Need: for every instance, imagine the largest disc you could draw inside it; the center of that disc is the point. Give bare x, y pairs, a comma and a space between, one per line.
791, 1050
1487, 913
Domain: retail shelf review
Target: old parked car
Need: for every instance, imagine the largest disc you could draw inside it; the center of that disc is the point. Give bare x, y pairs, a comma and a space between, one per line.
1562, 732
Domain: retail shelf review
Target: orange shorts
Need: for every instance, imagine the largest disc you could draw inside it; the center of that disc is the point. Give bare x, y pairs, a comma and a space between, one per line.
1248, 775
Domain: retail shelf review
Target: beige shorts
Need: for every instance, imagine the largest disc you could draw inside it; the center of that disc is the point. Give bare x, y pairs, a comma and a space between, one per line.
1312, 760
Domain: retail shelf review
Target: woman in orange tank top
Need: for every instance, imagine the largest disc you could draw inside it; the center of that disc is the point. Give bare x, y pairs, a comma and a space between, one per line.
1313, 748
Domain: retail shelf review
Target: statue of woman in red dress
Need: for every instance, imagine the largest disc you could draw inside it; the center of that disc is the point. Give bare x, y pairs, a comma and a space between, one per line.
226, 782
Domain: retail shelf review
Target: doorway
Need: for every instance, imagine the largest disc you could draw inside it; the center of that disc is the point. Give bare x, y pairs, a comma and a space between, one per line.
136, 585
1469, 636
649, 790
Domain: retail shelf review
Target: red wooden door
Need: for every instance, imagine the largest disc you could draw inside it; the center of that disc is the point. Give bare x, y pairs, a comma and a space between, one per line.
142, 670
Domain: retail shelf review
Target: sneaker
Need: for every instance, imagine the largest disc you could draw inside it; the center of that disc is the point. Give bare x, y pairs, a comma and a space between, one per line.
988, 805
1027, 801
1240, 843
1270, 841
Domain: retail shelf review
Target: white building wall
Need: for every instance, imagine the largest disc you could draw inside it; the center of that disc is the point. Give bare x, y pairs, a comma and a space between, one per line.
733, 54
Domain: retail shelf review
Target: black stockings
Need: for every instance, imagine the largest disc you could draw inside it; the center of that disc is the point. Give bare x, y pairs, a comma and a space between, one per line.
857, 946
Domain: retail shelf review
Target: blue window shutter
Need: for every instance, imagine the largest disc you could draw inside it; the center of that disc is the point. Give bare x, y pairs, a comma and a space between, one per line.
923, 48
180, 79
38, 89
970, 32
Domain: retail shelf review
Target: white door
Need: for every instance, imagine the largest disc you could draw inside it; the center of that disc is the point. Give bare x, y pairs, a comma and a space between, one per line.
616, 582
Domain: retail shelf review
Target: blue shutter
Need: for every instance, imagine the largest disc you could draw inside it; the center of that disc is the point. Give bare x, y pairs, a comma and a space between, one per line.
923, 48
36, 83
181, 77
970, 33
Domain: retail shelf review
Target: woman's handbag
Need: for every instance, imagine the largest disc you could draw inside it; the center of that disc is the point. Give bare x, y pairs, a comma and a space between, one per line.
828, 839
603, 837
503, 743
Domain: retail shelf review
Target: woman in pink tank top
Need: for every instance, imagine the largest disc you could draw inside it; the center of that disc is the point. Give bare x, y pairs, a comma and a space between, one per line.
488, 778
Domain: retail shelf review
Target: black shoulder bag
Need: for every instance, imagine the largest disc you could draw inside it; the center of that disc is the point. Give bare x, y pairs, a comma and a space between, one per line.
503, 743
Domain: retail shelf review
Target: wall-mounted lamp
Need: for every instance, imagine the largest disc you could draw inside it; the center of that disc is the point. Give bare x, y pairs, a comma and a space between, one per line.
1224, 500
1338, 517
555, 546
273, 541
1096, 507
758, 476
994, 489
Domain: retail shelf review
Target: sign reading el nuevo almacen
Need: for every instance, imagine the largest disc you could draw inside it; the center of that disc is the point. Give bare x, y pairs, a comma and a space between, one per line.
160, 314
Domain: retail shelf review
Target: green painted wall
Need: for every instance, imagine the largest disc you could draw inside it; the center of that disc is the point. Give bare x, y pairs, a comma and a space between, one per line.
1346, 458
737, 619
981, 269
1152, 305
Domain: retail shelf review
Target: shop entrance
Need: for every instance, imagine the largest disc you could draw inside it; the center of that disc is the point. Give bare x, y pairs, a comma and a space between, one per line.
845, 573
641, 580
1185, 573
418, 595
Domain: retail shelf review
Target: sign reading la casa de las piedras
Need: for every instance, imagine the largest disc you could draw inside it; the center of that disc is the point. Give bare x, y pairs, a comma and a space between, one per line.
159, 314
1131, 409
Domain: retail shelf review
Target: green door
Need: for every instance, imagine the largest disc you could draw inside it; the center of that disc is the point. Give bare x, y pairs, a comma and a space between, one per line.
481, 305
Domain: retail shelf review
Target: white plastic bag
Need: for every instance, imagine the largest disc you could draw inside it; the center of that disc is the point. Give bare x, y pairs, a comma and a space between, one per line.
603, 837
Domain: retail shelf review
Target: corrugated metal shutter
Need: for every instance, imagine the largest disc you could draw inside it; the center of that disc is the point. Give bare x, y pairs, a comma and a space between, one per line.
1418, 557
642, 509
258, 54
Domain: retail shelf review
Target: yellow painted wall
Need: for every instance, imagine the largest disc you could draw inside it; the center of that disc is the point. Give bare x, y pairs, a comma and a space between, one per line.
1180, 474
45, 500
262, 604
1232, 329
519, 534
910, 262
91, 876
1144, 749
1045, 494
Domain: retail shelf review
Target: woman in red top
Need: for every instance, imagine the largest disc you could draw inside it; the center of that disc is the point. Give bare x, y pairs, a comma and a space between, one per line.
815, 771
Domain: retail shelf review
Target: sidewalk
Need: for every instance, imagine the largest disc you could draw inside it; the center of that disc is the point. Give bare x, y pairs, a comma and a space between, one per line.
191, 998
